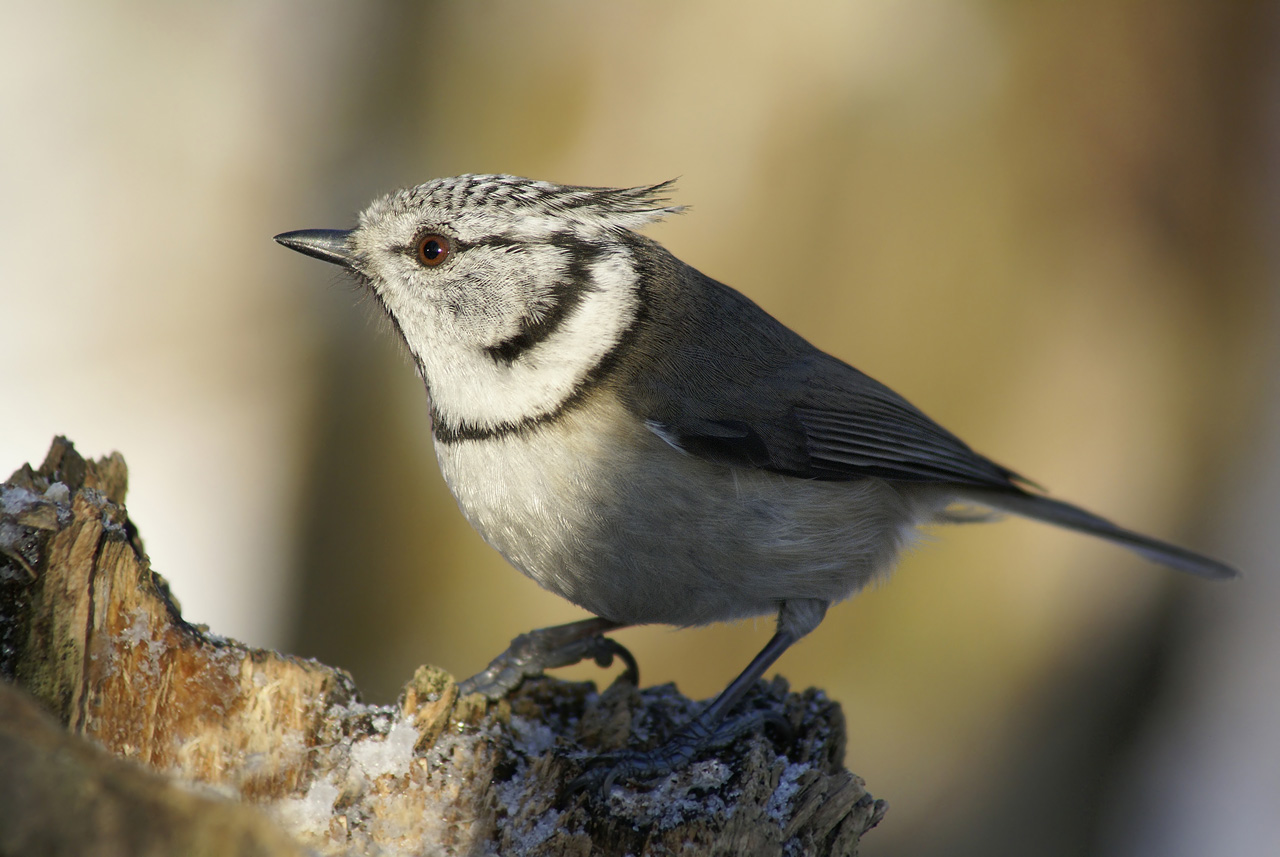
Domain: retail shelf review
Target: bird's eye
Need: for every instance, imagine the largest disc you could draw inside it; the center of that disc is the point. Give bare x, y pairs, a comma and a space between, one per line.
433, 249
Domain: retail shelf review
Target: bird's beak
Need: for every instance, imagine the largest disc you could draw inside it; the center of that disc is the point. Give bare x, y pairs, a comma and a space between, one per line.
329, 245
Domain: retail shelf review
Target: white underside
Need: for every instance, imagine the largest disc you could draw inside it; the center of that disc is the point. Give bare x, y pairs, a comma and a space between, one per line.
601, 511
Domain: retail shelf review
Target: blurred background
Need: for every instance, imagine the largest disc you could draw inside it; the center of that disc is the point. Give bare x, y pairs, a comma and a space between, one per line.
1051, 226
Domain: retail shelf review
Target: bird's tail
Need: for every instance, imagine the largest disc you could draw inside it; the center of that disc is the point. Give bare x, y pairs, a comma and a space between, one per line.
1074, 518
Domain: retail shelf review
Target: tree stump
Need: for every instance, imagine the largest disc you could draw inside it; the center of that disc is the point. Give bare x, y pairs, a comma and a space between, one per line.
212, 747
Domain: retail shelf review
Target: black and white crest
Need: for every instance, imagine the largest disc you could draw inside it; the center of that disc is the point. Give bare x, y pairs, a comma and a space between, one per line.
530, 206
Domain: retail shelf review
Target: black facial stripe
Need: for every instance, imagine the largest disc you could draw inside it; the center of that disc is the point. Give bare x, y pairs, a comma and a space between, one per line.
411, 249
447, 432
564, 299
580, 253
566, 296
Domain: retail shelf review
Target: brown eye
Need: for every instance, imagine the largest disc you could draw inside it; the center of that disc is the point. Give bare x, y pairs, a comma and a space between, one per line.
432, 249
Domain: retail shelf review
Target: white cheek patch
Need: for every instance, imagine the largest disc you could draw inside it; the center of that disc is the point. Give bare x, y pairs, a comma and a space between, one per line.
468, 385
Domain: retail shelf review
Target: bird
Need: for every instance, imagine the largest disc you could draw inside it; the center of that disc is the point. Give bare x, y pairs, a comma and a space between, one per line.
648, 442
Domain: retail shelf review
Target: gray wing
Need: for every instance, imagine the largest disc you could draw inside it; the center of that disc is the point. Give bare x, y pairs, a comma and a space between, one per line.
717, 377
819, 418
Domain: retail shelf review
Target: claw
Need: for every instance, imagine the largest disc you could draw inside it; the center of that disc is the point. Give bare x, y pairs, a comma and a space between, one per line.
606, 649
712, 729
591, 781
694, 739
531, 654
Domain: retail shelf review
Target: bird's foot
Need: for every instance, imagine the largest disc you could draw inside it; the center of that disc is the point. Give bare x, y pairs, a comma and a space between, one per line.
546, 648
701, 735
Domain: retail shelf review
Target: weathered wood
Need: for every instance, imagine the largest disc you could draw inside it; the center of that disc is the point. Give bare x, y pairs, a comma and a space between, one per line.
94, 635
60, 795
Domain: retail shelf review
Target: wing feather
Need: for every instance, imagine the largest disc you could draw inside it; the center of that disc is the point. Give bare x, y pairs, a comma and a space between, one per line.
718, 378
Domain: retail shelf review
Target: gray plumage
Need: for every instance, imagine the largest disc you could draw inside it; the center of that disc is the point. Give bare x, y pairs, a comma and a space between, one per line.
644, 440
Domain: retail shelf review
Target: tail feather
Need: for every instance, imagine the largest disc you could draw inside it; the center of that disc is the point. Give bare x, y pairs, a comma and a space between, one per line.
1074, 518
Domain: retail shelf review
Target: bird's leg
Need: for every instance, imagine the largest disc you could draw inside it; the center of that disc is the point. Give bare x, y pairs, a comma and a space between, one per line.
547, 648
711, 729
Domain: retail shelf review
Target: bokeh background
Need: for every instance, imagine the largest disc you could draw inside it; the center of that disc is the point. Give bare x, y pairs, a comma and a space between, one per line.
1052, 226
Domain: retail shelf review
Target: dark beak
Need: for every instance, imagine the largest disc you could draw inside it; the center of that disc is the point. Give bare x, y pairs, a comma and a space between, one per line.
329, 245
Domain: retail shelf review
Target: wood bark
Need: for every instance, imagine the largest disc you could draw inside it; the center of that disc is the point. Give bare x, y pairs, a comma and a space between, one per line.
159, 737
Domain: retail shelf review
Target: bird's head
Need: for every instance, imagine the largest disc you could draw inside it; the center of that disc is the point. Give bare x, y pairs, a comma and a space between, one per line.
508, 292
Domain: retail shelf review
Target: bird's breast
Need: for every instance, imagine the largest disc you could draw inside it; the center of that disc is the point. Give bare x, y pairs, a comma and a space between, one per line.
595, 507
